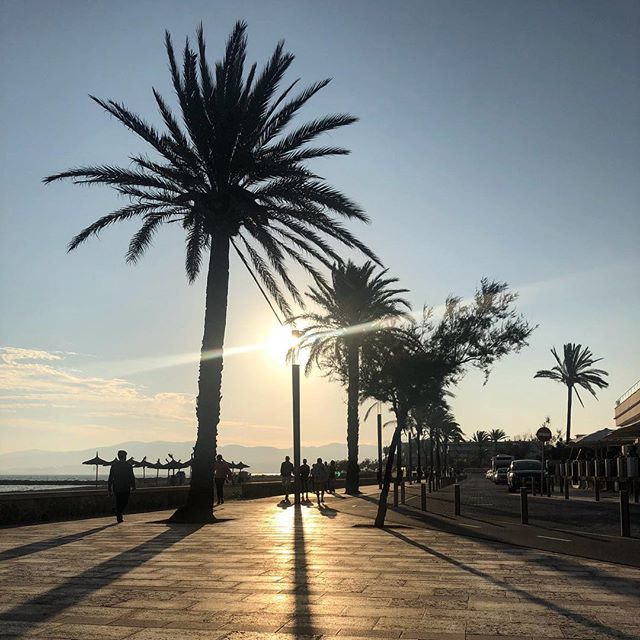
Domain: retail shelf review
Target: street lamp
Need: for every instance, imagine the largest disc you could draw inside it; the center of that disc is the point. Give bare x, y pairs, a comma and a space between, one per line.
295, 387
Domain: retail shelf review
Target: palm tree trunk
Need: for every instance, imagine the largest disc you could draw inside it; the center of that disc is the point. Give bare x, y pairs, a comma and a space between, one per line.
445, 446
418, 445
569, 399
410, 463
438, 466
431, 453
352, 484
199, 505
401, 419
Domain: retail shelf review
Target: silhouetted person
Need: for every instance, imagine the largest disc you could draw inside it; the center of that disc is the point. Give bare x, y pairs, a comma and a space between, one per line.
222, 473
305, 471
286, 473
331, 484
320, 476
121, 482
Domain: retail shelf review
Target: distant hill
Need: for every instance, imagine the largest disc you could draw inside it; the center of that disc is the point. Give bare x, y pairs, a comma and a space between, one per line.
260, 459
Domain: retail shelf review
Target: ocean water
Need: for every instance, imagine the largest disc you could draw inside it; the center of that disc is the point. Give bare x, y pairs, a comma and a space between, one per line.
14, 483
12, 488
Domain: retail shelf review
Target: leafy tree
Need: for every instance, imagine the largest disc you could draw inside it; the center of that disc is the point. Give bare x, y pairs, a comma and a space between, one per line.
574, 370
357, 303
232, 173
401, 369
481, 438
496, 435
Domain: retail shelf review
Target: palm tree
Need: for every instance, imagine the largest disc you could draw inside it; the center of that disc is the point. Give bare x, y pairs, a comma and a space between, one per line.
230, 172
480, 438
495, 435
450, 432
355, 305
574, 370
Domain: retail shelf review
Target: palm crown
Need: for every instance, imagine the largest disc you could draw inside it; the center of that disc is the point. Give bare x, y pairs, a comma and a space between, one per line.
230, 170
574, 369
356, 302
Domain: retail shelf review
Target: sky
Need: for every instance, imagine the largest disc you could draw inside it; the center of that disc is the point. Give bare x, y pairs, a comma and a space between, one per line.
497, 139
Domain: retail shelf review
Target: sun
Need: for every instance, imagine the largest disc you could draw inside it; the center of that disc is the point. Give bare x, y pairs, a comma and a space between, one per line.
279, 343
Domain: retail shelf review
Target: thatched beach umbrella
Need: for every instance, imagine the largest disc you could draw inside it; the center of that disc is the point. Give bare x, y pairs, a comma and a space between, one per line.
241, 465
156, 465
97, 461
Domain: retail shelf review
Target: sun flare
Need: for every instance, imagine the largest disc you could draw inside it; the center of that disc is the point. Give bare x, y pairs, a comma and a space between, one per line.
279, 343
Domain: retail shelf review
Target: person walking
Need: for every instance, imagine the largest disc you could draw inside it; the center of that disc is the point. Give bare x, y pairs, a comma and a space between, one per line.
222, 474
121, 482
331, 485
305, 471
320, 476
286, 473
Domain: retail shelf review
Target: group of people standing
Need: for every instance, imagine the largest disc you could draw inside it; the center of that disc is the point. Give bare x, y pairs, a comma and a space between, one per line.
319, 478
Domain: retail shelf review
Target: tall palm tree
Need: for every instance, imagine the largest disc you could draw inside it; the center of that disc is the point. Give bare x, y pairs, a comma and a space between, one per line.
355, 305
495, 435
481, 438
450, 432
574, 370
233, 175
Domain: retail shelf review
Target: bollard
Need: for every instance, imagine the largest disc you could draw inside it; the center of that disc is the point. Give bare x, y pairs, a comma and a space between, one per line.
456, 499
548, 487
395, 494
430, 485
423, 496
636, 490
524, 506
566, 487
402, 493
596, 487
625, 525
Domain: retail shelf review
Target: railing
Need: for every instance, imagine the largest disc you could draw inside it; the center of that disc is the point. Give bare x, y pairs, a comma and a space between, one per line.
630, 391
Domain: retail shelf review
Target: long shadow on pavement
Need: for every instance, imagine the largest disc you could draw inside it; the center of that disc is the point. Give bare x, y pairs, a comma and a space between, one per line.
303, 622
74, 589
578, 618
52, 543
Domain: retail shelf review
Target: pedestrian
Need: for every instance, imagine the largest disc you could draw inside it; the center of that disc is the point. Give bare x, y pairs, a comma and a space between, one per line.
286, 473
332, 477
305, 470
222, 474
121, 482
320, 476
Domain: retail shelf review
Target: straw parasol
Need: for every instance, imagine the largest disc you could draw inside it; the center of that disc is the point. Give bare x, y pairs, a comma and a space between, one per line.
241, 465
98, 462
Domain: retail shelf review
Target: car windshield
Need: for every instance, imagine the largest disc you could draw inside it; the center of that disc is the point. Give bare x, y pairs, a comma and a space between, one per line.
523, 465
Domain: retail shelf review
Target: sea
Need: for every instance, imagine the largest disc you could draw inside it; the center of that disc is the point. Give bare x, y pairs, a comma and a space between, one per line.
14, 483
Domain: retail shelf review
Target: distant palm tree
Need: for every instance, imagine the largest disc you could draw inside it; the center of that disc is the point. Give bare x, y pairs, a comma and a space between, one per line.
353, 307
495, 435
450, 432
481, 438
574, 370
227, 171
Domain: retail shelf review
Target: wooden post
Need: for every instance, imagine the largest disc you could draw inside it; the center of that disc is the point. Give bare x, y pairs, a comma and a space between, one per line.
524, 506
423, 496
456, 498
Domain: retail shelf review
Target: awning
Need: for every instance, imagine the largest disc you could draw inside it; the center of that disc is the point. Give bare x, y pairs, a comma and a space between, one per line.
624, 435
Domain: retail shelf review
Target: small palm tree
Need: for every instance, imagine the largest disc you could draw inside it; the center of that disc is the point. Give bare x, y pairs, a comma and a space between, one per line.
353, 307
495, 435
574, 370
229, 171
481, 438
450, 432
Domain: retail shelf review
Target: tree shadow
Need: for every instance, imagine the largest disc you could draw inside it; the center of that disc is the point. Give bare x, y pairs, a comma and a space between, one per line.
52, 543
68, 593
592, 624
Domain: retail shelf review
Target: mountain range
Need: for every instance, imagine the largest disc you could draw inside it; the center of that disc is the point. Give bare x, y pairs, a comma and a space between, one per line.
259, 459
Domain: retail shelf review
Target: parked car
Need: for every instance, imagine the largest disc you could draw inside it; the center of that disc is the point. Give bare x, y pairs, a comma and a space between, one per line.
500, 475
521, 473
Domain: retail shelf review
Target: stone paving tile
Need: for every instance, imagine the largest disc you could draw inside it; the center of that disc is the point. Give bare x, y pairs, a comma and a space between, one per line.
302, 575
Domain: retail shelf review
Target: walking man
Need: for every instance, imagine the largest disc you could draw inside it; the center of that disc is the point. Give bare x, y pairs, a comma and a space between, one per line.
222, 473
320, 477
121, 482
305, 470
286, 472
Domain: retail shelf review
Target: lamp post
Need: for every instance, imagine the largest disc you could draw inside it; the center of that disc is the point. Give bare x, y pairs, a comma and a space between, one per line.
379, 447
295, 386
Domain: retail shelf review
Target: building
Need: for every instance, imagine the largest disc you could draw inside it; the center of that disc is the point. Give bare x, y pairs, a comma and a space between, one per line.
627, 409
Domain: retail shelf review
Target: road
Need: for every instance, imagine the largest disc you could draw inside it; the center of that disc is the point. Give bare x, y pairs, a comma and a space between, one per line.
575, 527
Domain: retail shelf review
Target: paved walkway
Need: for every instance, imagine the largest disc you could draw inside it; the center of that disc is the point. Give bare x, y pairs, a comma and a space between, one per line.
272, 573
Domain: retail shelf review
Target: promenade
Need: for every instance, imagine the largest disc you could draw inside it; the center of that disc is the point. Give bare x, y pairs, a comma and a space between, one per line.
268, 572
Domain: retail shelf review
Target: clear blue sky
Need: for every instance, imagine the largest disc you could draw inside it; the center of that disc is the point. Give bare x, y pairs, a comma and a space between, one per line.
497, 139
